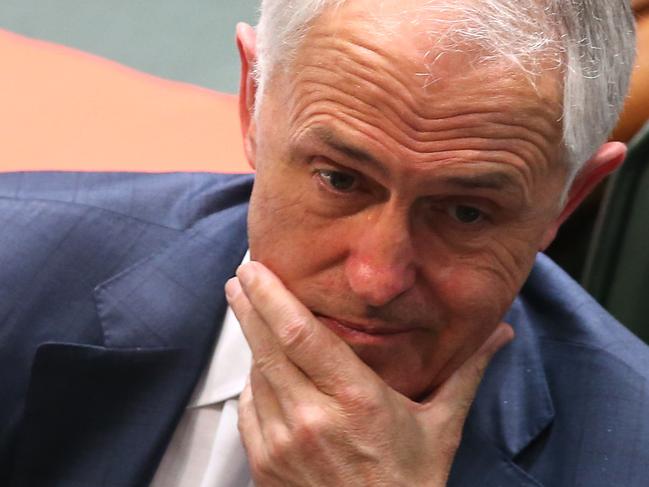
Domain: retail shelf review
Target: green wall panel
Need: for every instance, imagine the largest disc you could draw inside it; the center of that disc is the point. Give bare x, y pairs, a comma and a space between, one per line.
184, 40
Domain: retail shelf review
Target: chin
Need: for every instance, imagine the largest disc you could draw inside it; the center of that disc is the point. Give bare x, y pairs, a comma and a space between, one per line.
409, 380
414, 392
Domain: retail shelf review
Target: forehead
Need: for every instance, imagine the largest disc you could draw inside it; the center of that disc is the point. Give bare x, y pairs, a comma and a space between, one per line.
408, 44
387, 78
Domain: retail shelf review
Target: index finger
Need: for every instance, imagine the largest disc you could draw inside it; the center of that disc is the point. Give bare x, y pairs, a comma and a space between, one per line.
317, 351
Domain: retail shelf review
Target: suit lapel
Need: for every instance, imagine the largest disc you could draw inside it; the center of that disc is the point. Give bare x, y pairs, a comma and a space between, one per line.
480, 462
512, 408
173, 298
104, 415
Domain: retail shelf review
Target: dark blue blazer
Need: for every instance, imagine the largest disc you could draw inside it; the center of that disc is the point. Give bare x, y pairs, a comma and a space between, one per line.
111, 297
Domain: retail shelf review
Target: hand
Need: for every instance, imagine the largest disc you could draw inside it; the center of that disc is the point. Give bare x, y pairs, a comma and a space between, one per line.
314, 414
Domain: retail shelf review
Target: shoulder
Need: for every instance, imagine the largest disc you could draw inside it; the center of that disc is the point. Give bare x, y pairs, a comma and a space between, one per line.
67, 232
99, 223
174, 200
597, 376
563, 316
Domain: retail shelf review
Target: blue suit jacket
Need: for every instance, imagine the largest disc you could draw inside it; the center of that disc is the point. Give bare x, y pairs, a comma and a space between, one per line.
111, 295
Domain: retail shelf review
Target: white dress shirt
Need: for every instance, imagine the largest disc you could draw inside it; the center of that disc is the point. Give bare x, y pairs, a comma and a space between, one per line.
206, 450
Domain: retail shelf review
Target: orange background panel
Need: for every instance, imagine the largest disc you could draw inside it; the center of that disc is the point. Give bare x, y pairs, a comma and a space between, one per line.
63, 109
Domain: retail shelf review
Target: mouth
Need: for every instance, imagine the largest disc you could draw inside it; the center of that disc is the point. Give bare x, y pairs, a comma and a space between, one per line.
366, 333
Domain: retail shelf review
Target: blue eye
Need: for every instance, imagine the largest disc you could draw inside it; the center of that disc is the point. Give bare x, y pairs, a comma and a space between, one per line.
466, 214
339, 181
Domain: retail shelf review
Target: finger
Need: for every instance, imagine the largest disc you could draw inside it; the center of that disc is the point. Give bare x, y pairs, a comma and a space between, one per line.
283, 376
257, 441
270, 414
322, 355
457, 393
248, 424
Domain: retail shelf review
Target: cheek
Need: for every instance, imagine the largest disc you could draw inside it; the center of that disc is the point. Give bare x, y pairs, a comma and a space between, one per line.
288, 238
497, 270
474, 291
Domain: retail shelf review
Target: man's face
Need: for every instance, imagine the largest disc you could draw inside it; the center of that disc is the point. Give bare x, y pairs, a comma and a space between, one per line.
403, 210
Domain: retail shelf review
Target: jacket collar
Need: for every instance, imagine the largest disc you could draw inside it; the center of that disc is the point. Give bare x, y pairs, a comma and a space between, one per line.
514, 404
174, 298
512, 408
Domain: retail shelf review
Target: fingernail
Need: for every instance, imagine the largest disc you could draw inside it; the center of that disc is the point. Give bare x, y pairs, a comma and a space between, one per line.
246, 274
232, 289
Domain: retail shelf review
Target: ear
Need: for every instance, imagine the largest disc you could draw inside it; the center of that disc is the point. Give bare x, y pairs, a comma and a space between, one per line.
247, 46
606, 160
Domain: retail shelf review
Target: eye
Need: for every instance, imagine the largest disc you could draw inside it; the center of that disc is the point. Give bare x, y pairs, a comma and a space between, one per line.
340, 181
466, 214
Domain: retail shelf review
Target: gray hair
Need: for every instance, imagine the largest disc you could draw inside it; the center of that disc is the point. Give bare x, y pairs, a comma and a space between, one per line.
591, 41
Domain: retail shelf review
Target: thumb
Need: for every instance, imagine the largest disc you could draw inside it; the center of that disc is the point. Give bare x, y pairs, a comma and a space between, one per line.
456, 394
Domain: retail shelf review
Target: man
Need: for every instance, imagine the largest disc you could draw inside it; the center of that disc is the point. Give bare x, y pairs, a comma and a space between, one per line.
411, 160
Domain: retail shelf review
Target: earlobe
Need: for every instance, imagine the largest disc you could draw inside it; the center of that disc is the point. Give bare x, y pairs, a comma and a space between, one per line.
606, 160
247, 46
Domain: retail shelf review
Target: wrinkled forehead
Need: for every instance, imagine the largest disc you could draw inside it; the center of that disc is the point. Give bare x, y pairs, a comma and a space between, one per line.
412, 45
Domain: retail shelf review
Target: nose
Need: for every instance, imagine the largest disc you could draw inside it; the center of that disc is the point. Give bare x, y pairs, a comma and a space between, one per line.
380, 266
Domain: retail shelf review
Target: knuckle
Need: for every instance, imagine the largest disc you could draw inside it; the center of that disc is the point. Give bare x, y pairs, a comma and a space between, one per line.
264, 466
295, 333
310, 425
266, 362
260, 466
279, 445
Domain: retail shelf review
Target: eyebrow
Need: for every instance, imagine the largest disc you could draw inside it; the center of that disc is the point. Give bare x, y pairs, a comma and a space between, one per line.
328, 137
492, 180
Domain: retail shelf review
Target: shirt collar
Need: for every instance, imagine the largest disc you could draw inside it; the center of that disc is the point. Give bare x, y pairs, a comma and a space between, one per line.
229, 367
